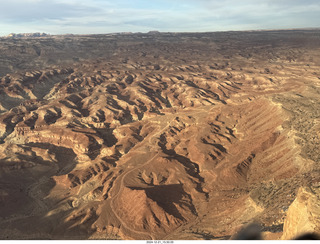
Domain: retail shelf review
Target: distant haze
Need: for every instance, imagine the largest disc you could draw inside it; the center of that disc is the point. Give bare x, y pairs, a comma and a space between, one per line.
104, 16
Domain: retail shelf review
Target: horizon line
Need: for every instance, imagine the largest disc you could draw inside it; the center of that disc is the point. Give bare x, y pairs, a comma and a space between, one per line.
157, 31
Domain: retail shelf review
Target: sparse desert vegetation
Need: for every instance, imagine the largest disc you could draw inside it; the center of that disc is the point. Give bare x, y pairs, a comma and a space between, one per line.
160, 135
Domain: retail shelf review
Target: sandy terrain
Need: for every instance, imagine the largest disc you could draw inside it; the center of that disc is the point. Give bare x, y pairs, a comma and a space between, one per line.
160, 135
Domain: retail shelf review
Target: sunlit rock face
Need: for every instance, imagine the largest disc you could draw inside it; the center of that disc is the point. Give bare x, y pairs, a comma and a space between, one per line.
166, 136
303, 214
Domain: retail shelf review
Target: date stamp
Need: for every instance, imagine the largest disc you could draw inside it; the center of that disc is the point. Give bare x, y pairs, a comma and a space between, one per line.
160, 242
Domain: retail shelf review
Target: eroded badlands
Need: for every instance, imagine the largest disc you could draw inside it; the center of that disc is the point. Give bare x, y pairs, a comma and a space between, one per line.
159, 135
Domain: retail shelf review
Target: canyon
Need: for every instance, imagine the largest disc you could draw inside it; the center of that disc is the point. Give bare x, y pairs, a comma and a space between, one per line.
177, 136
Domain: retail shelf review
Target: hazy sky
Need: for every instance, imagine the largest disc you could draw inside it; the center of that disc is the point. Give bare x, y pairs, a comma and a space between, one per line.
104, 16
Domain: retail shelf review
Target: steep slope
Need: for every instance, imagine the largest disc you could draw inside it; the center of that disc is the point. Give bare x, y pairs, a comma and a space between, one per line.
173, 136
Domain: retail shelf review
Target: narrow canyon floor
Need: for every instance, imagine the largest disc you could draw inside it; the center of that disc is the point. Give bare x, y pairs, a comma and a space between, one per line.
183, 136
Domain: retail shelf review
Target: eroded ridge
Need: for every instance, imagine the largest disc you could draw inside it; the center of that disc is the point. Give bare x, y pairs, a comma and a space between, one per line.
187, 139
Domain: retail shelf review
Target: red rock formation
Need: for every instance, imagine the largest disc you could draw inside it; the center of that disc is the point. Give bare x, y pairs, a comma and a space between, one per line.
169, 140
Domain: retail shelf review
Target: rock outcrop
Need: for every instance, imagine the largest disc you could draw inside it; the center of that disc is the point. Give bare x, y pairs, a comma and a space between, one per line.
159, 135
303, 215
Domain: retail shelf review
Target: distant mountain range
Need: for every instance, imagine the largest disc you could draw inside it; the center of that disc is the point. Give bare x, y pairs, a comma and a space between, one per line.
36, 34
